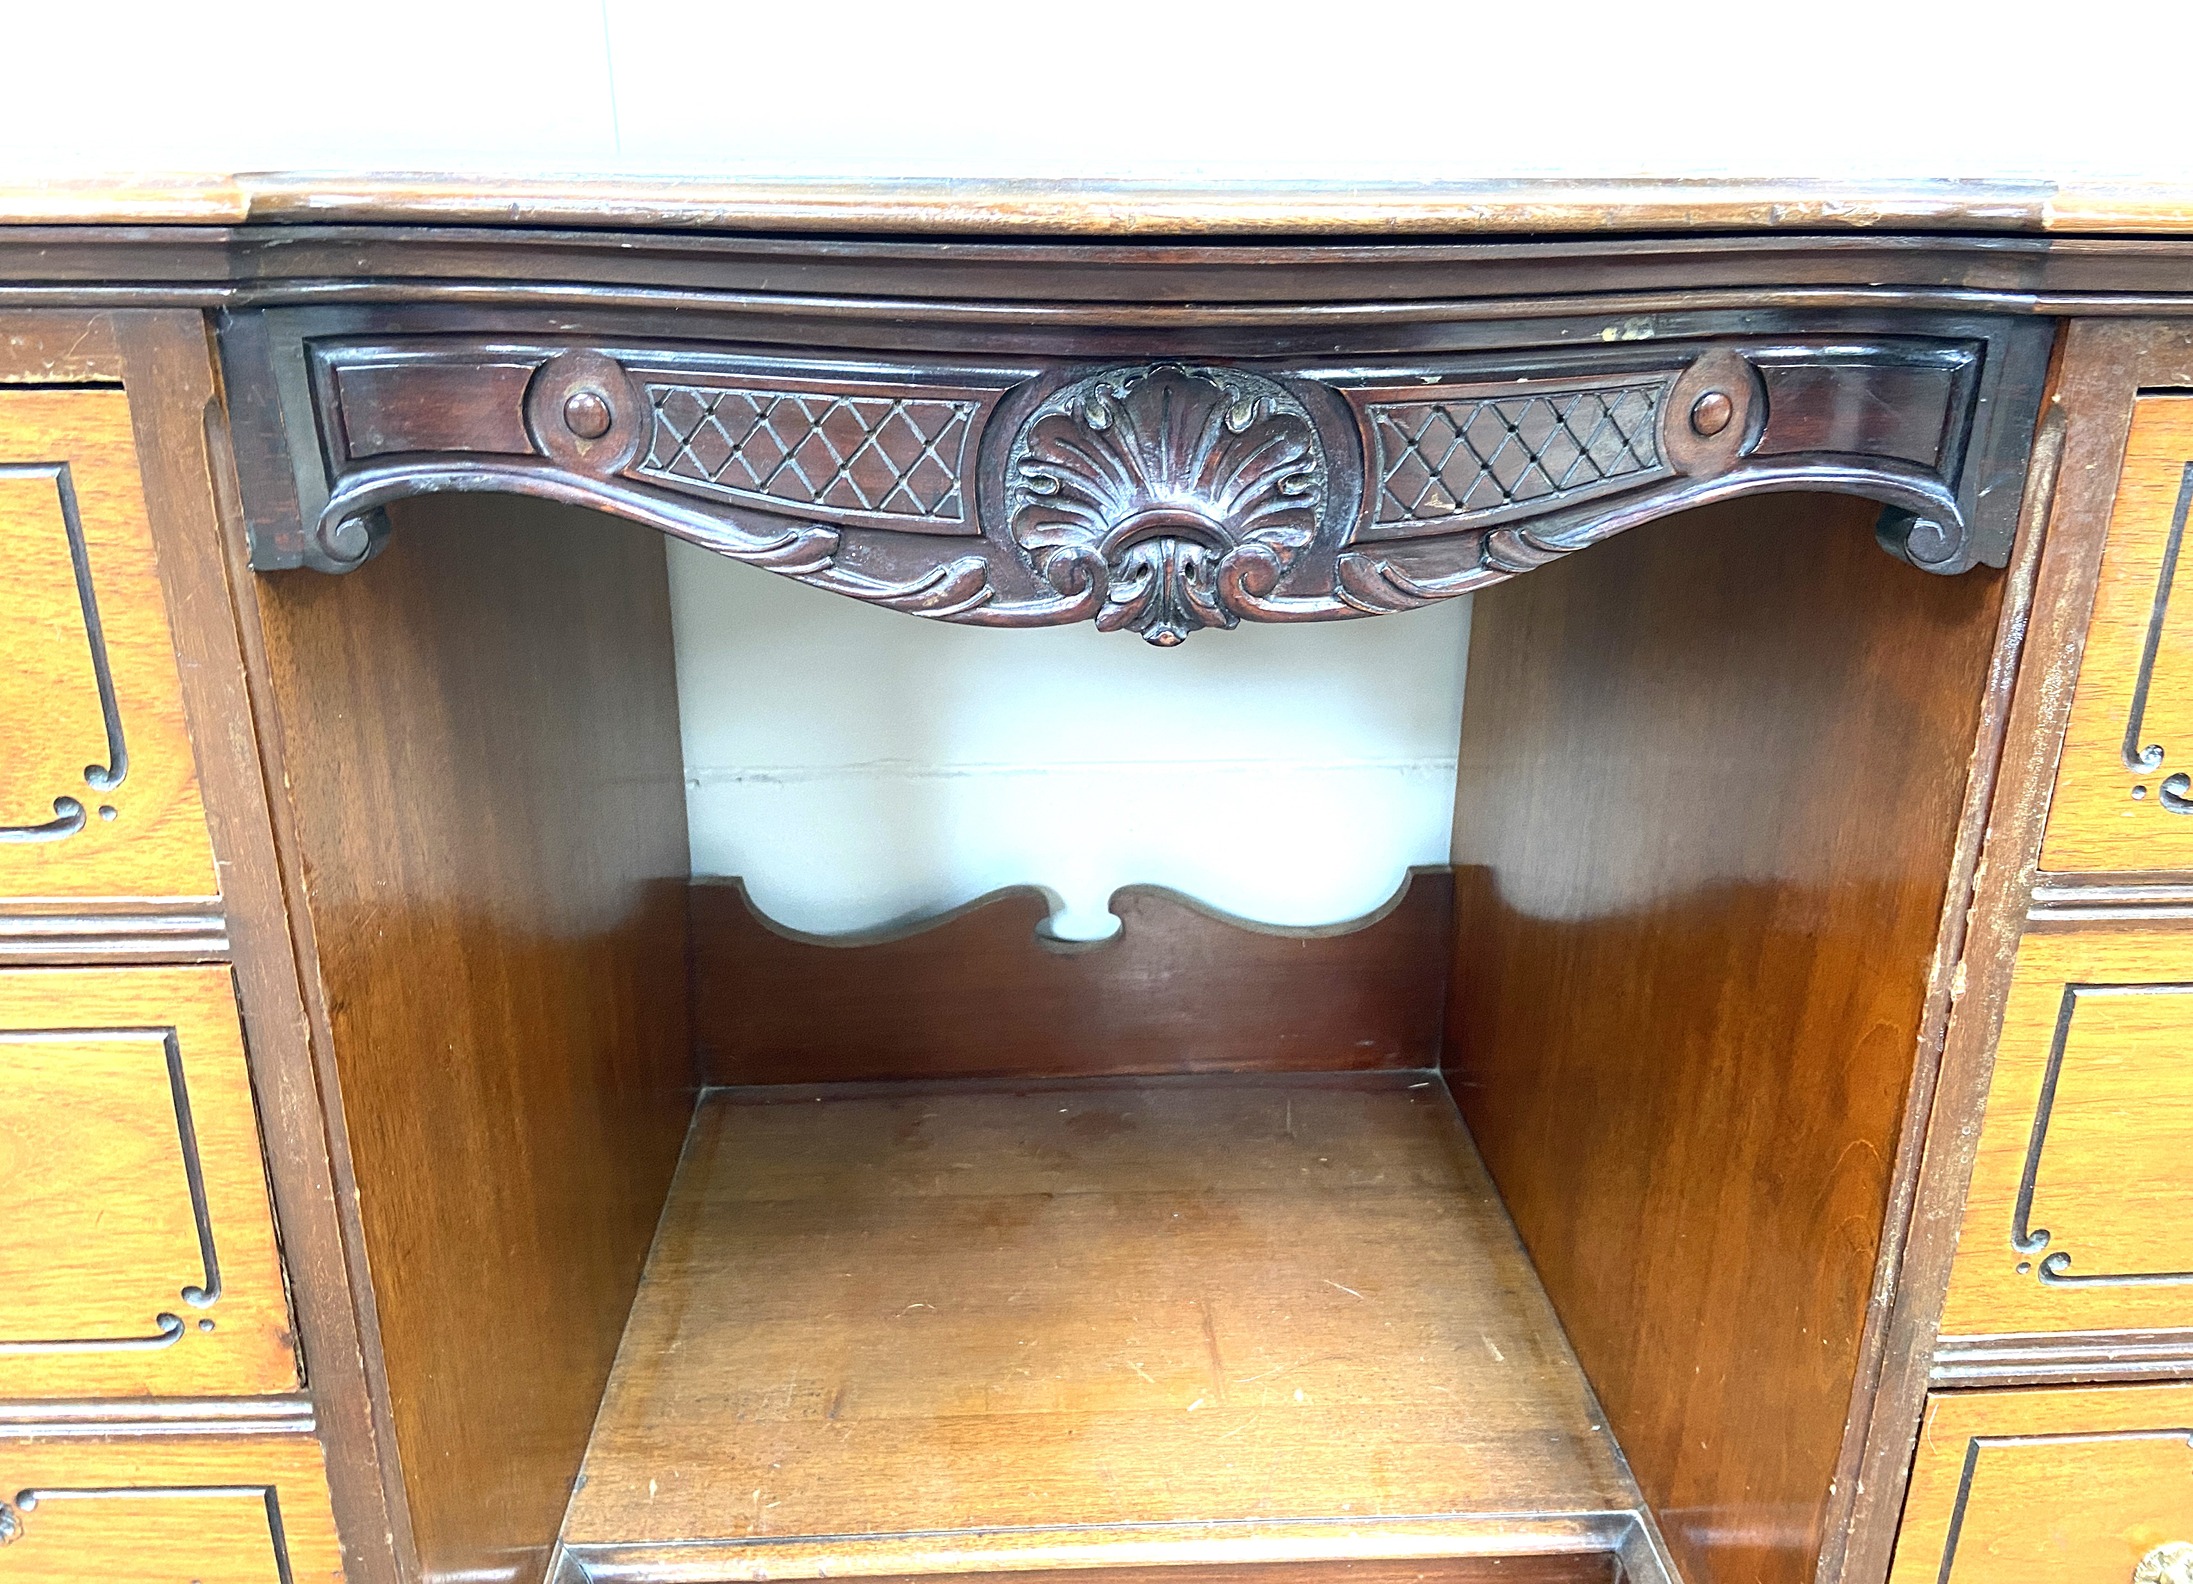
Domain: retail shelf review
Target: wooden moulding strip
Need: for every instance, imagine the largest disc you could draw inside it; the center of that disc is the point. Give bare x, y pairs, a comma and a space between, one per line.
1426, 1539
1097, 208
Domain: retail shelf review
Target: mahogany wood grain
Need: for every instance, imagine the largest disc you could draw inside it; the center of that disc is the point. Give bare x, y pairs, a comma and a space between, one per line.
166, 361
2075, 1221
98, 791
2123, 801
140, 1254
2047, 1487
1704, 832
892, 1328
481, 752
979, 993
187, 1508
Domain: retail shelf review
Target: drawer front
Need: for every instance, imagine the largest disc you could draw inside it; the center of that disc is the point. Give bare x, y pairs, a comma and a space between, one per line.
98, 793
2051, 1487
139, 1256
2079, 1216
237, 1509
2124, 787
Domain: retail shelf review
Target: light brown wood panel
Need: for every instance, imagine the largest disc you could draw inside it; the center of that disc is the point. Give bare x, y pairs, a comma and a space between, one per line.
2078, 1218
166, 1509
1704, 832
98, 793
481, 753
140, 1255
1180, 988
885, 1325
2048, 1487
2124, 787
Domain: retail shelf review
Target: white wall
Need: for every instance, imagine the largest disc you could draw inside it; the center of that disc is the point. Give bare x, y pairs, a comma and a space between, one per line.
1268, 89
859, 766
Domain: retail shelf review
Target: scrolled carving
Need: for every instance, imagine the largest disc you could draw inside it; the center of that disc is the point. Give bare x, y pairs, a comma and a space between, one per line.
1170, 478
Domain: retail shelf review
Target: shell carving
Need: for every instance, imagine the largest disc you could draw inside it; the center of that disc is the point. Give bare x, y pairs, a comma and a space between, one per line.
1177, 482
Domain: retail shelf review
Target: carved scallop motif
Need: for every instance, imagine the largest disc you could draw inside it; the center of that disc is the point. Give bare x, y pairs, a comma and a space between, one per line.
1170, 477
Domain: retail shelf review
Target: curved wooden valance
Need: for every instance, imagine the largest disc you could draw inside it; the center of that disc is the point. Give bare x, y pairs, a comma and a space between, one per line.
1157, 467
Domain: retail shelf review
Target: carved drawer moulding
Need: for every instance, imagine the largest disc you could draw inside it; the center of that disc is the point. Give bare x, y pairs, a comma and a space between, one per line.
1167, 495
102, 777
167, 1327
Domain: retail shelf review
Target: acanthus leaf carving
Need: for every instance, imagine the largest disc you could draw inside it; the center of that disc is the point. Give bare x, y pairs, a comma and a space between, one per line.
1162, 476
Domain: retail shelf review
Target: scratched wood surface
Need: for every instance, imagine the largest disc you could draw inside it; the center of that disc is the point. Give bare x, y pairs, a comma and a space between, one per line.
112, 1143
98, 794
206, 1509
917, 1309
2047, 1487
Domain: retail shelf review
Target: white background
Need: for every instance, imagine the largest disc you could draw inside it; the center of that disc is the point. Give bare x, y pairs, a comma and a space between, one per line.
858, 766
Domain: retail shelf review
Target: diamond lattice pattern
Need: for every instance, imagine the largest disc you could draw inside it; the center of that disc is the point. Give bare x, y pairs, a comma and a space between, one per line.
1463, 458
882, 455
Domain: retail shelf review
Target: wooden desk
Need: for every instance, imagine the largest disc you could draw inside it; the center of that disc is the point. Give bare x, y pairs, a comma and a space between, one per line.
1752, 1160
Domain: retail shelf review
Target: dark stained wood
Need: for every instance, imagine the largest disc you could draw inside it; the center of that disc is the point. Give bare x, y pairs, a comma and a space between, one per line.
397, 408
1015, 492
481, 754
1705, 827
980, 993
892, 1328
168, 363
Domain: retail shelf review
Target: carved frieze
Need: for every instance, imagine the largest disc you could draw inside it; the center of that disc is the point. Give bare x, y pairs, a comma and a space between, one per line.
1163, 496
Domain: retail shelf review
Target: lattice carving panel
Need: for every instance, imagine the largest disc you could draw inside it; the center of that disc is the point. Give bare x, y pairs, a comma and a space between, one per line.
1459, 458
876, 457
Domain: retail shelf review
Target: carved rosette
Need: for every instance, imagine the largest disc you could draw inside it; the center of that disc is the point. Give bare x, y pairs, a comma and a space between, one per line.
1168, 483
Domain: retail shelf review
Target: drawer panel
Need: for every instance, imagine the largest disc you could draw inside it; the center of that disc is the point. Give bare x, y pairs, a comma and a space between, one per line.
2079, 1218
2124, 787
2050, 1487
98, 793
140, 1254
176, 1509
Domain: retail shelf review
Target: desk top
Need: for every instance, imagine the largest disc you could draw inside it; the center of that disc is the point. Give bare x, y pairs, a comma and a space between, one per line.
1083, 208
